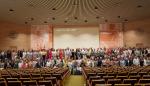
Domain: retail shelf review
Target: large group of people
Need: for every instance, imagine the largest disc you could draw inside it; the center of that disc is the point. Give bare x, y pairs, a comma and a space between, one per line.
75, 58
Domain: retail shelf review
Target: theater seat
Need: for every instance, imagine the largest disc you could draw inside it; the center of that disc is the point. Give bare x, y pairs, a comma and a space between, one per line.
14, 83
122, 77
100, 81
29, 83
53, 79
146, 76
2, 79
122, 85
3, 83
114, 81
144, 81
45, 83
11, 79
130, 81
46, 75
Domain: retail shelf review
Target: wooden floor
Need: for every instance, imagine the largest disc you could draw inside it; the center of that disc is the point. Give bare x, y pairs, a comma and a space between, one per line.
75, 80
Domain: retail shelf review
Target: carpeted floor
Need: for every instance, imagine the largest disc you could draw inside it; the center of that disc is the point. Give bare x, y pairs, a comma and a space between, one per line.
75, 80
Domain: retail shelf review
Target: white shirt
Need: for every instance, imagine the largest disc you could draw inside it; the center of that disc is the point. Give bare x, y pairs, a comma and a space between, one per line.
145, 62
136, 61
20, 64
48, 64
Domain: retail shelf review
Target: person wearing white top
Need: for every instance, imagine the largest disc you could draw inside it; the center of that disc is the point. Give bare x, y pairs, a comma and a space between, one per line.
48, 64
136, 61
145, 62
20, 64
24, 54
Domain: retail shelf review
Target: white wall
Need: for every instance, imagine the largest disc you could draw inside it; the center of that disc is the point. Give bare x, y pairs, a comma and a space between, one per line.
76, 37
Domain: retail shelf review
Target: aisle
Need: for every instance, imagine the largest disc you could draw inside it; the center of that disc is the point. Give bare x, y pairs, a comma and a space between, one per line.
75, 80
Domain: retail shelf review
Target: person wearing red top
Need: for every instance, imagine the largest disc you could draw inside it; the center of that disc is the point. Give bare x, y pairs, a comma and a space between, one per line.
60, 54
50, 54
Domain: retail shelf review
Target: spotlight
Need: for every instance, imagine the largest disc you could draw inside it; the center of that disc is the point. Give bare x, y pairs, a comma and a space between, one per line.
11, 10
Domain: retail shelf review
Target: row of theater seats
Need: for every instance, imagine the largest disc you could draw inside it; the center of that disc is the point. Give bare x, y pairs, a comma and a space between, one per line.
33, 77
117, 76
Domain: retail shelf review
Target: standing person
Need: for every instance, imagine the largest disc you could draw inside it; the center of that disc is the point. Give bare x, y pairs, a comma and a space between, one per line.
136, 61
5, 65
9, 55
126, 61
12, 64
99, 64
24, 54
50, 54
130, 61
145, 61
141, 61
61, 54
2, 56
73, 56
43, 58
14, 55
122, 62
53, 54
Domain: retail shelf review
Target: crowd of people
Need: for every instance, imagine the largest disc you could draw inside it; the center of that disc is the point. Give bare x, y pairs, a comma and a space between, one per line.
75, 58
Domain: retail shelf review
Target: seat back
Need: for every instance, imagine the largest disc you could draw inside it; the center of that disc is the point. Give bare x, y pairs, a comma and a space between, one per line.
14, 83
25, 76
29, 83
100, 81
114, 81
146, 76
144, 81
3, 83
45, 83
130, 81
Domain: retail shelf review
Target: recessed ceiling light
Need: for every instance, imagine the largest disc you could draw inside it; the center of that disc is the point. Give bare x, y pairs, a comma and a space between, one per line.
85, 21
45, 21
106, 20
65, 21
139, 6
11, 10
97, 17
31, 19
75, 17
125, 20
53, 18
118, 16
54, 9
26, 22
95, 7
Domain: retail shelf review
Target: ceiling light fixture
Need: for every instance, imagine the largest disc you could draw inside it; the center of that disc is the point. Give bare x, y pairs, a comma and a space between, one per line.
85, 21
65, 21
97, 17
53, 18
139, 6
118, 16
125, 20
11, 10
45, 21
106, 20
26, 22
75, 17
95, 7
54, 9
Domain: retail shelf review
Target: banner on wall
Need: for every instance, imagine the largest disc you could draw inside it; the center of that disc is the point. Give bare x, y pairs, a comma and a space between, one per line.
111, 35
41, 37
